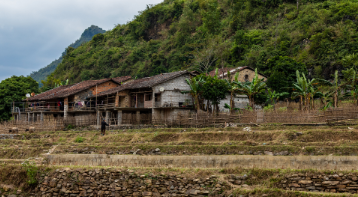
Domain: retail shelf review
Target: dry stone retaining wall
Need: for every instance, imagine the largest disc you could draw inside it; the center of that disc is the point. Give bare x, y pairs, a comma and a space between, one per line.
321, 183
10, 136
107, 182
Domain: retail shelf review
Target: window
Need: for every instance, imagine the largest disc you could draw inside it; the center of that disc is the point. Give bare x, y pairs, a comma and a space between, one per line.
157, 97
148, 97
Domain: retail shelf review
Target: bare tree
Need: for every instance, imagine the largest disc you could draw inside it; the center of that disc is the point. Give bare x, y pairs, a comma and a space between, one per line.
206, 56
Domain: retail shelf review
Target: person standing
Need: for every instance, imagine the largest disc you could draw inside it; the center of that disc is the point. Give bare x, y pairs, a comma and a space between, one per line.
103, 127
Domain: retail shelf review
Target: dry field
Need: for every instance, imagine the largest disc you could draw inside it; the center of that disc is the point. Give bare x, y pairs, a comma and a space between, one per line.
266, 139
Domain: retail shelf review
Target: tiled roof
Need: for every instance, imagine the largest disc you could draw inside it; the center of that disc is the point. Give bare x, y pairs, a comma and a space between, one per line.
65, 91
224, 70
47, 93
119, 80
146, 82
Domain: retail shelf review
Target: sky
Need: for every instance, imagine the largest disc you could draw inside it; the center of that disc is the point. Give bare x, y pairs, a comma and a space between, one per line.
33, 33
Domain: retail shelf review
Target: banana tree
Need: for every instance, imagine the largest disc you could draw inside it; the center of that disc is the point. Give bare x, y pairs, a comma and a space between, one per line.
274, 96
335, 86
195, 84
305, 90
233, 89
354, 94
325, 99
252, 88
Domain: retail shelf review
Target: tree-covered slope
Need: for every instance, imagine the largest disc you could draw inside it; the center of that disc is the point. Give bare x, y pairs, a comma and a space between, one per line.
204, 34
85, 37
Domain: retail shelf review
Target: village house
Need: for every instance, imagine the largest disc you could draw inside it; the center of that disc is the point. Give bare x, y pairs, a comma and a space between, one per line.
155, 99
152, 100
69, 101
246, 73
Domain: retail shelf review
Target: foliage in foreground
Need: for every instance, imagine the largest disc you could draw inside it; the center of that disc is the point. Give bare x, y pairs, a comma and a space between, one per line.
31, 171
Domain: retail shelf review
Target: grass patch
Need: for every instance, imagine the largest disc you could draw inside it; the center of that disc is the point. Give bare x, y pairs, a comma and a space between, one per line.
79, 139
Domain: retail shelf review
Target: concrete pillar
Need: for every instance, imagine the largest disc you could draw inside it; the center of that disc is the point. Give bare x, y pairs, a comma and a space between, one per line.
153, 100
33, 117
138, 117
65, 108
119, 117
42, 116
28, 117
107, 117
260, 117
98, 119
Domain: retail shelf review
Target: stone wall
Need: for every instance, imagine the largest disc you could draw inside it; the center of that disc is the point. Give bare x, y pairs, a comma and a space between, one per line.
320, 182
172, 91
160, 116
116, 182
11, 136
241, 101
246, 74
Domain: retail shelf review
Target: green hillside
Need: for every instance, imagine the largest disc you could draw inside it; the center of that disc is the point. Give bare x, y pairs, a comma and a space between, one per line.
85, 37
204, 34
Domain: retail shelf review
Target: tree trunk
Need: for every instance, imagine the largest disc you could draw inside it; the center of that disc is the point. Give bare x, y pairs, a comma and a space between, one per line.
231, 103
208, 108
306, 98
252, 102
297, 6
197, 103
217, 109
214, 110
336, 99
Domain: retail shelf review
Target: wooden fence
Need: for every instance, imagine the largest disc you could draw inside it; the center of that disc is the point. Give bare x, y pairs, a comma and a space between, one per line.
202, 119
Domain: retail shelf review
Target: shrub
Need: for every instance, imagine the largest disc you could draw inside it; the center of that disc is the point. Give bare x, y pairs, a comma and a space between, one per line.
31, 172
268, 108
79, 139
70, 126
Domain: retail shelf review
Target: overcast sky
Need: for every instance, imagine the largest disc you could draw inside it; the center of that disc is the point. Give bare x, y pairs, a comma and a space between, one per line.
33, 33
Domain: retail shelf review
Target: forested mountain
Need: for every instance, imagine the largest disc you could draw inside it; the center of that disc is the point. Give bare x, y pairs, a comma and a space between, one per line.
271, 35
85, 37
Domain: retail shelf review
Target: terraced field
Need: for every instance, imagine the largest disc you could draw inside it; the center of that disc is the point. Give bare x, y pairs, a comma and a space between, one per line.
181, 152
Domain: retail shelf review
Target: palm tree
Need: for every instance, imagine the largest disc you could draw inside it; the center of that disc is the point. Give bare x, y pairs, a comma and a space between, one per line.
252, 88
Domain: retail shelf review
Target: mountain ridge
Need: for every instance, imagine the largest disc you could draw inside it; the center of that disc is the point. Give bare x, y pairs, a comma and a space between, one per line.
86, 36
